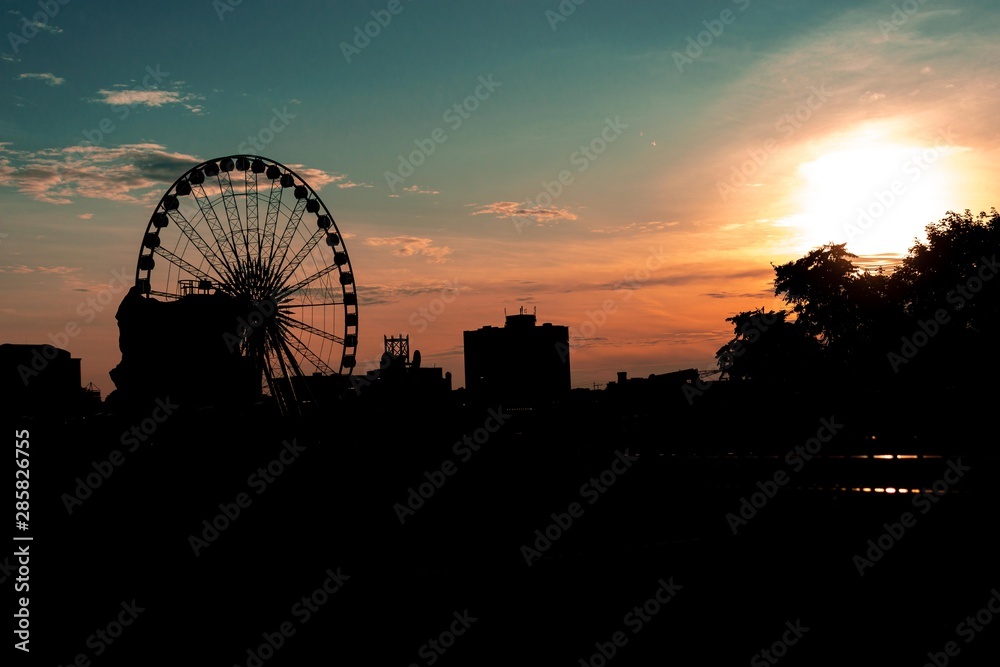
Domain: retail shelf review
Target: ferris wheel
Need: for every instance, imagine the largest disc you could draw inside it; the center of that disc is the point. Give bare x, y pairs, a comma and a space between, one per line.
252, 229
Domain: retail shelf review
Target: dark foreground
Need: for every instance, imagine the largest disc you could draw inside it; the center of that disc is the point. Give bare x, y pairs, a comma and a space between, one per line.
639, 566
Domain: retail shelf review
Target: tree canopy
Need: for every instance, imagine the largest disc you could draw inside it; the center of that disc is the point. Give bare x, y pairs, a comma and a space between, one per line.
930, 320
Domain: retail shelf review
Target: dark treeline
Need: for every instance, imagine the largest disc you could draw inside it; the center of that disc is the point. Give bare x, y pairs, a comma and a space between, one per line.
918, 338
928, 322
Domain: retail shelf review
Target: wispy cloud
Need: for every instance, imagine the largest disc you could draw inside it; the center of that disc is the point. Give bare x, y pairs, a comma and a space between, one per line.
416, 189
45, 77
44, 26
21, 269
377, 294
133, 173
638, 228
689, 274
412, 246
739, 295
129, 173
511, 209
689, 277
149, 98
317, 178
667, 338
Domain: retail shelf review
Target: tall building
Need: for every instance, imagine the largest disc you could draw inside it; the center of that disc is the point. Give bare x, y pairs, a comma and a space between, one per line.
521, 363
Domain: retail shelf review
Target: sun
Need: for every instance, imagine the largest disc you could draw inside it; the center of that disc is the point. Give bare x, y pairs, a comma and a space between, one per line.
874, 193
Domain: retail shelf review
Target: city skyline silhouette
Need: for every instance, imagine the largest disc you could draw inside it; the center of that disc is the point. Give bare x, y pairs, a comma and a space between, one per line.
557, 333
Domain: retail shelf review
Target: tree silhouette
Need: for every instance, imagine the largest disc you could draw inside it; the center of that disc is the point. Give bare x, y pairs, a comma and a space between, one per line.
767, 348
937, 312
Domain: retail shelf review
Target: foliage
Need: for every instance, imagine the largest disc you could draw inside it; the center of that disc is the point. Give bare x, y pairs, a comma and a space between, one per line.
848, 322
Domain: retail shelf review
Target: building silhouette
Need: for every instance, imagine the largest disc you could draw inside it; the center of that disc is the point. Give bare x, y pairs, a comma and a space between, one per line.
401, 376
519, 364
181, 349
39, 379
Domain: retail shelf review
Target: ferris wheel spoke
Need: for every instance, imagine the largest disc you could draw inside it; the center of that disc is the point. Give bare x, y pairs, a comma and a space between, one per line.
233, 213
310, 305
252, 231
301, 348
223, 241
305, 282
288, 359
267, 380
184, 265
271, 219
294, 218
280, 378
303, 252
199, 243
298, 324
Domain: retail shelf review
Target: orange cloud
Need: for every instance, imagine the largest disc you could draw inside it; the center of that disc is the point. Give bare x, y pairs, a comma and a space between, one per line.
537, 213
417, 190
411, 246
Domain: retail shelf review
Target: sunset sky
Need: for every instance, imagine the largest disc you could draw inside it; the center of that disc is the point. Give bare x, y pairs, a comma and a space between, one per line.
697, 143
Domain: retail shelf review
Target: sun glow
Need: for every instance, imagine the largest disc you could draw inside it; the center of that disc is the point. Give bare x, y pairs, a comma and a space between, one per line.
874, 193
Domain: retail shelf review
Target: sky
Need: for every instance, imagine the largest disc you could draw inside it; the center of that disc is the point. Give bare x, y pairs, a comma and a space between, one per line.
631, 170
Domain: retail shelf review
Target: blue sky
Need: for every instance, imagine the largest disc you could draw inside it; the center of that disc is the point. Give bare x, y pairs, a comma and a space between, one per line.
821, 106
